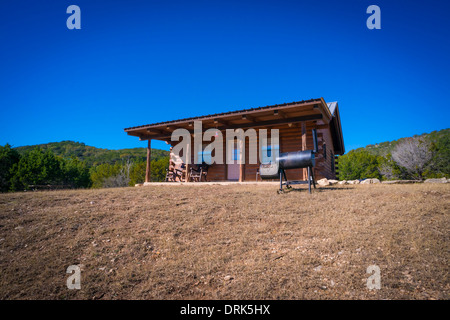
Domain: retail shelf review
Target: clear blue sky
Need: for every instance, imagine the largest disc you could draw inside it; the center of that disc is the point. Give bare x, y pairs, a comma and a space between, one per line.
138, 62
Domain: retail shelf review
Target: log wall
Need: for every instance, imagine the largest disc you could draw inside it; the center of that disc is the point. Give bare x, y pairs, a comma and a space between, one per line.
290, 140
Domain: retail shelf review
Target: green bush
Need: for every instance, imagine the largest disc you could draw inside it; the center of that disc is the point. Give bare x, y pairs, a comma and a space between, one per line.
100, 173
76, 173
137, 172
358, 165
159, 169
8, 159
390, 170
37, 168
440, 164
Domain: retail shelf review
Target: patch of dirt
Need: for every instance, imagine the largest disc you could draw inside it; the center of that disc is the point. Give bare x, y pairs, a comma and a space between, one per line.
226, 242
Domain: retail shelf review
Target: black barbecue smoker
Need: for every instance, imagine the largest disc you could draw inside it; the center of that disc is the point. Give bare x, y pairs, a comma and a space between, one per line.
291, 160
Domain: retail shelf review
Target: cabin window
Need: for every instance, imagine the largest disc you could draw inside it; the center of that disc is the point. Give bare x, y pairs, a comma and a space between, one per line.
205, 157
235, 154
324, 151
267, 152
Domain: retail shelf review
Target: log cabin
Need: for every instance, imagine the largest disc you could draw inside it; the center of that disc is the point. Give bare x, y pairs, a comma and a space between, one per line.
294, 121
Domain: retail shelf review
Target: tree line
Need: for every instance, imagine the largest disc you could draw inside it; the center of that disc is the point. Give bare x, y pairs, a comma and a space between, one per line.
415, 158
94, 156
71, 164
40, 167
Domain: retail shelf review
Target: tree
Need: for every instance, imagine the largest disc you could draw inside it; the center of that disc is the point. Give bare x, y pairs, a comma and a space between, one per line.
158, 173
414, 155
117, 181
37, 168
358, 165
440, 147
112, 176
76, 173
102, 172
159, 169
137, 172
389, 169
121, 179
8, 159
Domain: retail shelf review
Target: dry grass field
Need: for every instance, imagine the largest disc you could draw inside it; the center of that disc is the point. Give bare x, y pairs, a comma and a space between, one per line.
226, 242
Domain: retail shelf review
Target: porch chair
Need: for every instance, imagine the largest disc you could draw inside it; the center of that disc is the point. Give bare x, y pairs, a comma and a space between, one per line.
198, 172
176, 170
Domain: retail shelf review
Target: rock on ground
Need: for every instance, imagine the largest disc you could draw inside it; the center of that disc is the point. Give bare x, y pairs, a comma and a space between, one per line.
323, 182
442, 180
400, 181
370, 181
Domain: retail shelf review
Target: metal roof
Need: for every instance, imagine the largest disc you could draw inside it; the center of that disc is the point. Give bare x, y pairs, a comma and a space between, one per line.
226, 113
331, 109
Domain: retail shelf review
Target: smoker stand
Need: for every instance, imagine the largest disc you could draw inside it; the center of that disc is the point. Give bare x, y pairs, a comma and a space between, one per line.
289, 183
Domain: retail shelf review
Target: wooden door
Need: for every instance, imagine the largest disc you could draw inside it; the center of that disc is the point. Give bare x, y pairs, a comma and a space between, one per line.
233, 168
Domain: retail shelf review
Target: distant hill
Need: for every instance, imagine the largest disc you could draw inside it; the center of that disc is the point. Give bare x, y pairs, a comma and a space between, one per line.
376, 161
92, 155
383, 148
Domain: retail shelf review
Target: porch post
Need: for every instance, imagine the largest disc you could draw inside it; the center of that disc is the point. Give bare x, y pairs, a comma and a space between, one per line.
148, 167
241, 160
305, 170
188, 161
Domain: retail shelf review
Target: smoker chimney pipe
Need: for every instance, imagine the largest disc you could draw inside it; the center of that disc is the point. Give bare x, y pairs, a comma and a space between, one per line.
316, 145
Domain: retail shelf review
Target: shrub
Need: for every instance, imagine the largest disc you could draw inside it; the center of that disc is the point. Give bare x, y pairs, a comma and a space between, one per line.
8, 159
37, 168
413, 154
358, 165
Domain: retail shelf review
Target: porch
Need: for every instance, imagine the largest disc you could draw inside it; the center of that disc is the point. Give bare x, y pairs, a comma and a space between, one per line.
294, 121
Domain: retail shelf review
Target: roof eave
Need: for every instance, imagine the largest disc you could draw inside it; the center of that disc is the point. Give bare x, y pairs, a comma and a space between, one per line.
320, 102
